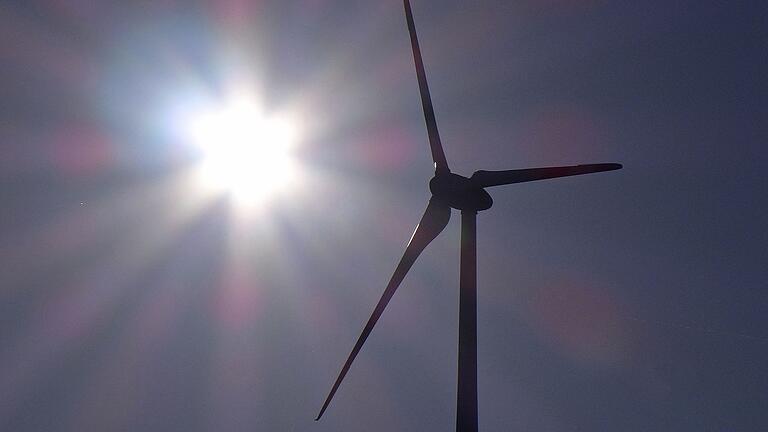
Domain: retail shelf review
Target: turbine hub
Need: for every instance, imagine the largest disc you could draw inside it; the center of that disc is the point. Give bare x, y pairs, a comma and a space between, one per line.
459, 192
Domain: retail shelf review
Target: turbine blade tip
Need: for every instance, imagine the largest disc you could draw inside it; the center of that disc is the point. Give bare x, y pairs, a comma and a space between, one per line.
320, 414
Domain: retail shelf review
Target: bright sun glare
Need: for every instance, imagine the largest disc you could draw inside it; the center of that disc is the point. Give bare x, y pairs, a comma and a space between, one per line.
244, 152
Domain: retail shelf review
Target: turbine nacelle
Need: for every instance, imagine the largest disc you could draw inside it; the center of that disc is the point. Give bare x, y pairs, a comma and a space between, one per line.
459, 192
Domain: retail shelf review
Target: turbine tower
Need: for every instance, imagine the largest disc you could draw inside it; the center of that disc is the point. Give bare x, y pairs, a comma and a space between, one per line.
467, 194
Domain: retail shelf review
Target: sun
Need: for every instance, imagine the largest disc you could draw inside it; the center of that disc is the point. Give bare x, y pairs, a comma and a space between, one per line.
244, 152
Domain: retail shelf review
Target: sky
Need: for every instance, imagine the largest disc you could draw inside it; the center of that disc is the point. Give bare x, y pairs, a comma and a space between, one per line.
632, 300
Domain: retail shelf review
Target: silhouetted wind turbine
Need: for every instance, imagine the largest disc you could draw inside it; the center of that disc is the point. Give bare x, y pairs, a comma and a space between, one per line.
450, 190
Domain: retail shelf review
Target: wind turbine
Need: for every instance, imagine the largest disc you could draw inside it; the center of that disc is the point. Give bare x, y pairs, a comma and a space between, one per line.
467, 194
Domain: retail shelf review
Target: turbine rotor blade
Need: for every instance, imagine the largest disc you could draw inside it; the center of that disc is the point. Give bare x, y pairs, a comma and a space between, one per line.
432, 223
438, 156
497, 178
